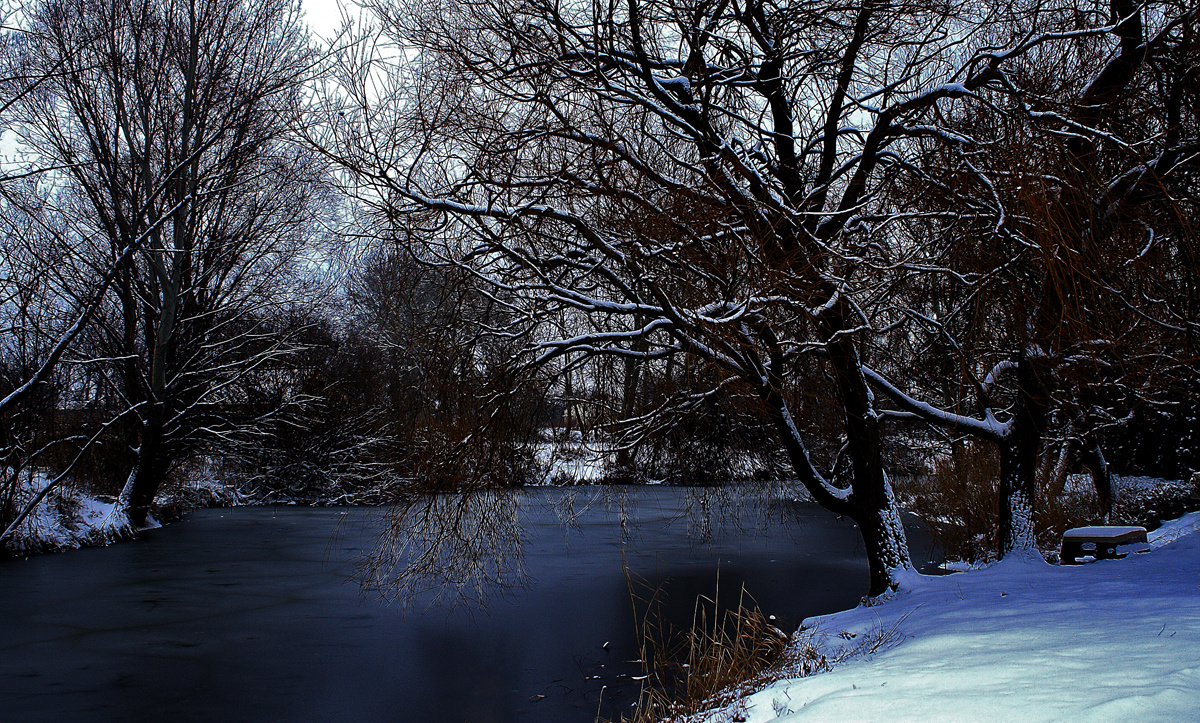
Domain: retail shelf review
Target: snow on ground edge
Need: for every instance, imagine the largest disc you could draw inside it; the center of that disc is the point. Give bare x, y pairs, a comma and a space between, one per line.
1020, 640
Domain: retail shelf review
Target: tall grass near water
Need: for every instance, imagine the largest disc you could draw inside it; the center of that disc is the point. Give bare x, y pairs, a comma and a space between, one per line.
685, 671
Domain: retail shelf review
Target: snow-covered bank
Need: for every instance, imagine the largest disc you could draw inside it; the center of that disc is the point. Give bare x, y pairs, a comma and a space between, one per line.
1111, 640
68, 518
60, 522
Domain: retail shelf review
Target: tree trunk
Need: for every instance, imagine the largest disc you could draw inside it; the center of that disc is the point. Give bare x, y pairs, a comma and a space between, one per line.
869, 501
1019, 453
872, 504
629, 390
148, 472
1015, 523
1093, 458
151, 466
885, 541
1053, 476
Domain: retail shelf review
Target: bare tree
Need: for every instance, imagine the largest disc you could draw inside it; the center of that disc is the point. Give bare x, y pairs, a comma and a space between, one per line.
1061, 264
183, 210
447, 381
695, 179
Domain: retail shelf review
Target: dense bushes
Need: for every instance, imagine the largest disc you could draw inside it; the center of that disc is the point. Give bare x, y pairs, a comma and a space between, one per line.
957, 502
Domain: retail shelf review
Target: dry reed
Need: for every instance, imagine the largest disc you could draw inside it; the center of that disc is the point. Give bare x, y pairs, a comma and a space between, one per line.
687, 671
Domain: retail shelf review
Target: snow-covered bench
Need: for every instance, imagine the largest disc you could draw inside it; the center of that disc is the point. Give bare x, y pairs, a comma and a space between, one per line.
1100, 541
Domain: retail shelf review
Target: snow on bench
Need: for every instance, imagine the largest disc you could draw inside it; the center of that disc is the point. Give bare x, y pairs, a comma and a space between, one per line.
1100, 542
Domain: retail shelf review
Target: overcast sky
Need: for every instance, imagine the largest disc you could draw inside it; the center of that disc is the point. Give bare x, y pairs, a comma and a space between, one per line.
322, 16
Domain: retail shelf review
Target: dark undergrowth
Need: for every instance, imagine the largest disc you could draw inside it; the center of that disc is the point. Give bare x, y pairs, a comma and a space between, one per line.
958, 502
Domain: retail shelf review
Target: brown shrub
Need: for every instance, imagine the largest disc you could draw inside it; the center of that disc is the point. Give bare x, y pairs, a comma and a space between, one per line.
958, 501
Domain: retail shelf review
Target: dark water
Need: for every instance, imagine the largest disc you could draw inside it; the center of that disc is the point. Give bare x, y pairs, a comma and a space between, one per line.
254, 614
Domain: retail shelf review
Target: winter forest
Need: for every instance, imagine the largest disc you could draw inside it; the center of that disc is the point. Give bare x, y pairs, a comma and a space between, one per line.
929, 258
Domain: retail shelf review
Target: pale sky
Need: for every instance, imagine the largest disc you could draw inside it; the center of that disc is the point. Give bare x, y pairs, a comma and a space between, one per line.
323, 17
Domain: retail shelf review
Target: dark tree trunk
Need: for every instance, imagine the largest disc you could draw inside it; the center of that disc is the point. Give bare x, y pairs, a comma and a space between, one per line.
148, 472
1092, 457
630, 383
872, 504
884, 539
1014, 530
1019, 455
869, 500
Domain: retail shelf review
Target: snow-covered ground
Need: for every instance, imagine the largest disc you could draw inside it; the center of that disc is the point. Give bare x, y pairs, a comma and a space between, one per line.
575, 462
1021, 640
68, 519
63, 520
47, 528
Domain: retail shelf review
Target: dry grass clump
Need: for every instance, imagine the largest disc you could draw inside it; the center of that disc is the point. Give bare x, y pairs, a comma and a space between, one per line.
958, 501
708, 684
687, 671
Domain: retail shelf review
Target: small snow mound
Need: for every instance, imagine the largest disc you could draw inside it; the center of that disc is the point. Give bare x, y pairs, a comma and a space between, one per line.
63, 519
1175, 530
908, 579
959, 566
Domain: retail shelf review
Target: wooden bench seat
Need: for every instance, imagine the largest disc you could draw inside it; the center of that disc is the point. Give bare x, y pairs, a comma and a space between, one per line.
1100, 541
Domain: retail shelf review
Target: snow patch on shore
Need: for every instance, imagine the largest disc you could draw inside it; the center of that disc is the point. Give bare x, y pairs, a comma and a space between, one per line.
64, 520
68, 518
1019, 640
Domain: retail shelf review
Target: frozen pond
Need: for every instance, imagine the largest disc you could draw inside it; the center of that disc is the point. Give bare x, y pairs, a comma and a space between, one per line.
254, 613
